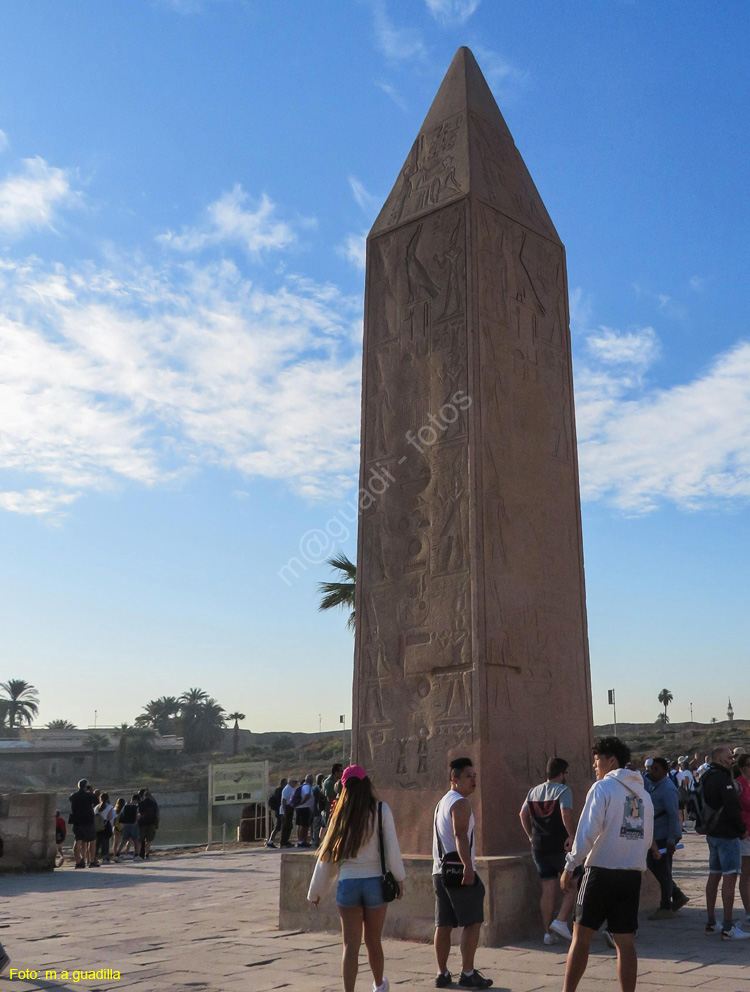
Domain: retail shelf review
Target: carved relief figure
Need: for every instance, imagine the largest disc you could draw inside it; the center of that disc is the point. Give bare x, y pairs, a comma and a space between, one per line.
374, 554
417, 276
450, 498
450, 259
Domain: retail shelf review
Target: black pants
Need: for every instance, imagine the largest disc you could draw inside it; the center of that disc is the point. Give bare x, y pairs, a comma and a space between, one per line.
102, 843
662, 872
287, 822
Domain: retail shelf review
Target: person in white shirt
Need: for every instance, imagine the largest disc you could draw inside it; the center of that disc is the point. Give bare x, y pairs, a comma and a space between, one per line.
305, 812
287, 811
457, 905
351, 852
614, 834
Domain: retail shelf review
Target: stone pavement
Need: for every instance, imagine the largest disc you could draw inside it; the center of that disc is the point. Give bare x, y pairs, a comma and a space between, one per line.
209, 922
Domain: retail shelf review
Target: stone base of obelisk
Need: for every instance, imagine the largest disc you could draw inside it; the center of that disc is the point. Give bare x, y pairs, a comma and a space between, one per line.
511, 909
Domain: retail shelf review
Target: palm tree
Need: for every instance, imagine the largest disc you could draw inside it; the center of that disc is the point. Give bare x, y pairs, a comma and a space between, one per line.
665, 698
663, 719
236, 738
340, 593
160, 714
60, 725
23, 701
95, 741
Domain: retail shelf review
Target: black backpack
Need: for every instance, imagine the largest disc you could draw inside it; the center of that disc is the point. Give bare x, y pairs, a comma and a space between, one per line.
706, 817
274, 800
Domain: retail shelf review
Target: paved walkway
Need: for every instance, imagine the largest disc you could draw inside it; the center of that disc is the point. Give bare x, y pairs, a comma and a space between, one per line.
208, 922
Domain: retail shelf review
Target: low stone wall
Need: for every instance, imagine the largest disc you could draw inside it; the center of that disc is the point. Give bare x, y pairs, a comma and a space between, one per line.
511, 908
27, 826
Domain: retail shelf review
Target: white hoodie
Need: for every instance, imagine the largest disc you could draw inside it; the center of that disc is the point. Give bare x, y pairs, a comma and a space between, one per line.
617, 824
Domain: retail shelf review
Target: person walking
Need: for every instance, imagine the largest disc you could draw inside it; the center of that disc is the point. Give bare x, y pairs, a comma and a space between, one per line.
274, 804
361, 832
462, 904
287, 811
148, 822
104, 815
667, 834
724, 837
547, 818
614, 833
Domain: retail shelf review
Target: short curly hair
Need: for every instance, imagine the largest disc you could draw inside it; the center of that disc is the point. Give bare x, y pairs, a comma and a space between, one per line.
612, 747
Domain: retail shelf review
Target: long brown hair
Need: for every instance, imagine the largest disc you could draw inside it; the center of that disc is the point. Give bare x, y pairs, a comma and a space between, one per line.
352, 821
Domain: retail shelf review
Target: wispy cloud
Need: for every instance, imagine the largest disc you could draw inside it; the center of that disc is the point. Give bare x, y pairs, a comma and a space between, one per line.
369, 203
641, 446
501, 74
452, 11
397, 44
3, 141
697, 283
393, 93
355, 249
30, 199
146, 374
228, 221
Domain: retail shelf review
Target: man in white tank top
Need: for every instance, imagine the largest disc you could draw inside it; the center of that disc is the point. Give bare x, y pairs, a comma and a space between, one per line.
463, 905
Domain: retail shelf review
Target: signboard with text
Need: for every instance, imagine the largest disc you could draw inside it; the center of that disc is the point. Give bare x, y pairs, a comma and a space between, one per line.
245, 783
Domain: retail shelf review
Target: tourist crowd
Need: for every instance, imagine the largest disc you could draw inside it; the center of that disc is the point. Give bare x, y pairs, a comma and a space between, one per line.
632, 821
105, 831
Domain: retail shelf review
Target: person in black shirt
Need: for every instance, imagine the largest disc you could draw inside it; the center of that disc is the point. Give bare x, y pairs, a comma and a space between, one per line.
148, 822
82, 805
724, 851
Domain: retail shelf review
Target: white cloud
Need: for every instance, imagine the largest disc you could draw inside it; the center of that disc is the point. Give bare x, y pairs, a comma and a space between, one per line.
30, 199
3, 141
638, 348
393, 93
227, 221
369, 203
355, 250
697, 283
642, 446
397, 44
502, 76
144, 375
452, 11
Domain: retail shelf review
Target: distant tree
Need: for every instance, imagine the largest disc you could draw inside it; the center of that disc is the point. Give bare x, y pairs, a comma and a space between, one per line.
140, 745
341, 593
665, 698
713, 719
284, 742
60, 725
236, 736
201, 720
663, 719
95, 741
4, 707
23, 702
161, 714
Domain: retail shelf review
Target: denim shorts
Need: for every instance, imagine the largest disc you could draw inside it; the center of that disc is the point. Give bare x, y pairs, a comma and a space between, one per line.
724, 857
367, 892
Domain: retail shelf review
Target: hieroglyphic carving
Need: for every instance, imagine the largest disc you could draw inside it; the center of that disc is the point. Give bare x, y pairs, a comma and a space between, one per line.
429, 175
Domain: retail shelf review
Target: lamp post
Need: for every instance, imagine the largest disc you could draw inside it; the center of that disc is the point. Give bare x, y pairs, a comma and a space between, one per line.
342, 721
611, 696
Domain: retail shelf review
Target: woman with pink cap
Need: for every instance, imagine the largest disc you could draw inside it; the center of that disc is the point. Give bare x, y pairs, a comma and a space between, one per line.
352, 850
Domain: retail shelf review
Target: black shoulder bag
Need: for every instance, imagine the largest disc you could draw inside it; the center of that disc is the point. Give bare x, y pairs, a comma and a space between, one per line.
389, 883
451, 865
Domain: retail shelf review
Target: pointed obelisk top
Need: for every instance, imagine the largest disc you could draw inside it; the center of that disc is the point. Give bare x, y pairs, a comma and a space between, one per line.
464, 146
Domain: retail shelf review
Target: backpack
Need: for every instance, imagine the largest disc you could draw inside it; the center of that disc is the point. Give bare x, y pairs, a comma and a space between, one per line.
296, 799
99, 821
274, 800
706, 817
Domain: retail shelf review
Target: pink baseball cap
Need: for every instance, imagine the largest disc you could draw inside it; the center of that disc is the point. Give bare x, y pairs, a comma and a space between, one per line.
353, 771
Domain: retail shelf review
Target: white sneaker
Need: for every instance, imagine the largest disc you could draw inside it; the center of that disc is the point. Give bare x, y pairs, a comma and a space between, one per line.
383, 987
561, 928
550, 938
734, 934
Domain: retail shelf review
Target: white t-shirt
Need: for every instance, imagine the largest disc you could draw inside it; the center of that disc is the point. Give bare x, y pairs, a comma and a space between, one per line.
286, 795
307, 797
685, 777
444, 826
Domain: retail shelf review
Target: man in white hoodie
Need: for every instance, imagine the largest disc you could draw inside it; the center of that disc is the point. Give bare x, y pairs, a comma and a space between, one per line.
613, 837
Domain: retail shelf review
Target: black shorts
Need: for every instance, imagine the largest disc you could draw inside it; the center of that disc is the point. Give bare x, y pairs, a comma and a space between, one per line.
549, 866
610, 894
85, 832
304, 817
459, 907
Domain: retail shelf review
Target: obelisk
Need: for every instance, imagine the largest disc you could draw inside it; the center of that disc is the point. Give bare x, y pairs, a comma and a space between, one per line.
471, 616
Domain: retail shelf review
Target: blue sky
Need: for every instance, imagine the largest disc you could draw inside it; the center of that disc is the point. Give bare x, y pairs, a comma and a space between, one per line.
184, 191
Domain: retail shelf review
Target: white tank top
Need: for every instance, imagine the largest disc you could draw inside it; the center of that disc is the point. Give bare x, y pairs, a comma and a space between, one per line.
444, 826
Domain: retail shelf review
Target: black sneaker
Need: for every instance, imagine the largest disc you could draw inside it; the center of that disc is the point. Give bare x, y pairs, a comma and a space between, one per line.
95, 864
679, 901
444, 980
711, 926
475, 980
